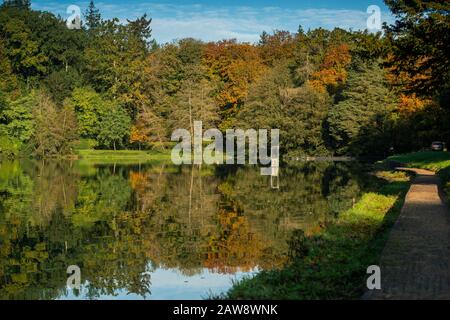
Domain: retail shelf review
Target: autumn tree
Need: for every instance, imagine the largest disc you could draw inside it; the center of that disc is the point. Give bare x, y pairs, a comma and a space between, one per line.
149, 128
276, 47
332, 72
56, 130
195, 102
237, 66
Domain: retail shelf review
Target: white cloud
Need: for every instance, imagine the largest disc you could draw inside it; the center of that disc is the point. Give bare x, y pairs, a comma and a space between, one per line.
246, 24
215, 23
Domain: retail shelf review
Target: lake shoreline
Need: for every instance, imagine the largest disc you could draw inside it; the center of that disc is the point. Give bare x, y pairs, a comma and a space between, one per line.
332, 264
342, 274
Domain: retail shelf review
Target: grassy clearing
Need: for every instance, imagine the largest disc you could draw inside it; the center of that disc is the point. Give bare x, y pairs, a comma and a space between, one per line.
122, 156
333, 263
435, 161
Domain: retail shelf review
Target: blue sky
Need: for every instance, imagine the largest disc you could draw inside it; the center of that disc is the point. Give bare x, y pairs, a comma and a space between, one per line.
241, 19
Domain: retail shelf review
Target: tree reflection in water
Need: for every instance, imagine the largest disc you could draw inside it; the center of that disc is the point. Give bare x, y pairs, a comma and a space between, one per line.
121, 223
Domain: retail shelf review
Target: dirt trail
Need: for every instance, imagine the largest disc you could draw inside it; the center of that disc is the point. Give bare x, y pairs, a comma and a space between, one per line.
415, 263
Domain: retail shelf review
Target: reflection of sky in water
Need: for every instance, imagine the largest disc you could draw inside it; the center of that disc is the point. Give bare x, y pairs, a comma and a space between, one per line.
171, 284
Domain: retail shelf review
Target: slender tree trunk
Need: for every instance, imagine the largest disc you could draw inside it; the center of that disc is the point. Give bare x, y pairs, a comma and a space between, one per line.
161, 141
190, 115
190, 194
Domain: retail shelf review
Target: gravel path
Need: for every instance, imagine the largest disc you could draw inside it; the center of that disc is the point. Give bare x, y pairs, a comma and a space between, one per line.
415, 263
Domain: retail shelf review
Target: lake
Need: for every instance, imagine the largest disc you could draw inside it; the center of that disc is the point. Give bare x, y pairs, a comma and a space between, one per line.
157, 231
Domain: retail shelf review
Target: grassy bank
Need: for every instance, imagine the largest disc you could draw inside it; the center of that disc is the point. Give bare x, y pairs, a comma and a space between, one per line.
434, 161
122, 156
333, 263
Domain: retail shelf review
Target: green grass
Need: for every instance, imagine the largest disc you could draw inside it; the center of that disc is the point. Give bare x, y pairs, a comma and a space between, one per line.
434, 161
333, 263
122, 156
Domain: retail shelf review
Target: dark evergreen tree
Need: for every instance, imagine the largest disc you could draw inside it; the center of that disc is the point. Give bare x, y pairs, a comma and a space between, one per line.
17, 3
359, 123
421, 43
92, 16
140, 28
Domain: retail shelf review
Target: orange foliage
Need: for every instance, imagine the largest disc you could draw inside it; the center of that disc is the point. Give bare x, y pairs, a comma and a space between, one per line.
314, 230
403, 79
137, 135
333, 69
138, 180
409, 104
236, 65
280, 45
235, 248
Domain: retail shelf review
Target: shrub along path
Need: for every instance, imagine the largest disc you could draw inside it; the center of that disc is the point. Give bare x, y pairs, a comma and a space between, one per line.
415, 264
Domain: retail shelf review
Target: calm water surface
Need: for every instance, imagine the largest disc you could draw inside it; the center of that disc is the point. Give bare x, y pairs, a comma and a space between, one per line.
157, 231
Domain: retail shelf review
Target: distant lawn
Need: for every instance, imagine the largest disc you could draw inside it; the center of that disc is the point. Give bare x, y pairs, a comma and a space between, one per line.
122, 156
434, 161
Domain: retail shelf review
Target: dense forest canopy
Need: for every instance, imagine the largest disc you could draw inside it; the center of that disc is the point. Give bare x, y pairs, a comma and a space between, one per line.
110, 85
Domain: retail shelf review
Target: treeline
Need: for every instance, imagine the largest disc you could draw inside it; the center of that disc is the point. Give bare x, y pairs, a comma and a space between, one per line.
109, 85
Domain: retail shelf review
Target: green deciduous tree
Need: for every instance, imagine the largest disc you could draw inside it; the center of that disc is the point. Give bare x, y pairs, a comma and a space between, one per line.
116, 60
38, 43
20, 46
17, 118
8, 80
114, 128
62, 83
89, 108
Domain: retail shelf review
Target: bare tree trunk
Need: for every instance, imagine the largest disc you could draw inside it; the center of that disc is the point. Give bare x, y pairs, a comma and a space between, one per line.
190, 194
190, 115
